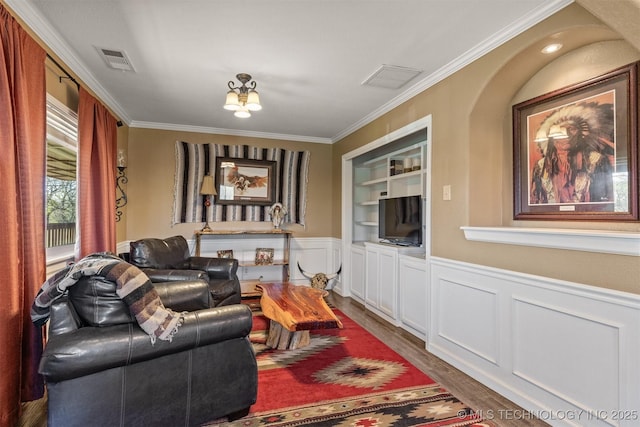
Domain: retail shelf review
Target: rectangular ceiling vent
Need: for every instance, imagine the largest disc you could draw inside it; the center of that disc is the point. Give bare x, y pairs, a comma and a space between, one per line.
116, 59
391, 76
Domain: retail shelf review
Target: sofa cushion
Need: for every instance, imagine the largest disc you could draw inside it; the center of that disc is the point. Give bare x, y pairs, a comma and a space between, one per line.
172, 252
97, 304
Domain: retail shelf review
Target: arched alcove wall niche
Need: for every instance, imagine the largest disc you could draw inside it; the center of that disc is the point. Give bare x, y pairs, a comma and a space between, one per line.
589, 50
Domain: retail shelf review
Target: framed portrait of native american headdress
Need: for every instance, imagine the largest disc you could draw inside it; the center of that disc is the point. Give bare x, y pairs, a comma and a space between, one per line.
576, 151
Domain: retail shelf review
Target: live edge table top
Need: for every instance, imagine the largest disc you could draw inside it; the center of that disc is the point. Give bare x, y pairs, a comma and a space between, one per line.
297, 308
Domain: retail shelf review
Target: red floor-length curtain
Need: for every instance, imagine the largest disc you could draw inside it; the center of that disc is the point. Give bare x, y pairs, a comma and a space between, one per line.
22, 248
97, 146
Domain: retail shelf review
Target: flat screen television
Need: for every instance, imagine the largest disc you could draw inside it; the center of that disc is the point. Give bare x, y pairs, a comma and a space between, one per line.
400, 220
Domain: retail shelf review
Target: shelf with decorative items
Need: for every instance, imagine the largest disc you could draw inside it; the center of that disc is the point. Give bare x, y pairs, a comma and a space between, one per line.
394, 173
256, 251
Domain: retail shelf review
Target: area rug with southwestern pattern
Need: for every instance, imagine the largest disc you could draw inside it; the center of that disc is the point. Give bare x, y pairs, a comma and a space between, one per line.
346, 377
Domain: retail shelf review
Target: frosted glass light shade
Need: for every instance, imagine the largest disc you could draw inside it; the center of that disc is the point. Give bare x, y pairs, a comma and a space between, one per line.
253, 101
242, 113
232, 103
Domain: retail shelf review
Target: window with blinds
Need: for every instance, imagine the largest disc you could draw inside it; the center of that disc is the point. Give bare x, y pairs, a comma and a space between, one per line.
61, 183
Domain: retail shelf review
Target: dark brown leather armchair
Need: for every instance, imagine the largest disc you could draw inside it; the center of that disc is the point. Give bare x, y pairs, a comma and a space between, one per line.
101, 368
169, 260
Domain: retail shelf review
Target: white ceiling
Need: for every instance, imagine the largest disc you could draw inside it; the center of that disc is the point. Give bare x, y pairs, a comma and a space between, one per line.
308, 57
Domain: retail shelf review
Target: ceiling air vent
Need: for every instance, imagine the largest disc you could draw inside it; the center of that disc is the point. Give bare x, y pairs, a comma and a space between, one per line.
115, 59
391, 76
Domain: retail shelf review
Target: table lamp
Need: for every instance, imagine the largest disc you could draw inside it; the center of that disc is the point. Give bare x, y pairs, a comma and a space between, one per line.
207, 189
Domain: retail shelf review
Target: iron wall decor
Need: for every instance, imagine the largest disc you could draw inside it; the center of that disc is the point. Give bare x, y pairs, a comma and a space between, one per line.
576, 151
245, 181
121, 200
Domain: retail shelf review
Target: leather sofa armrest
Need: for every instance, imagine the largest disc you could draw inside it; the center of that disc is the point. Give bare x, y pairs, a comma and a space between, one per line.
171, 275
216, 268
187, 295
63, 318
93, 349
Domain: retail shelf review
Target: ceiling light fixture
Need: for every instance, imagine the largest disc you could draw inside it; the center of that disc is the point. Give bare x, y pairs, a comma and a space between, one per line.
553, 47
242, 99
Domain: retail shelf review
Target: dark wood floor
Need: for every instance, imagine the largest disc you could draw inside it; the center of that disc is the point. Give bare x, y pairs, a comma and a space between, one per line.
465, 388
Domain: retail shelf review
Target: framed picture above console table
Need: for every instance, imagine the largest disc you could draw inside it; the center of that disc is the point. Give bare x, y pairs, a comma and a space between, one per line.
280, 259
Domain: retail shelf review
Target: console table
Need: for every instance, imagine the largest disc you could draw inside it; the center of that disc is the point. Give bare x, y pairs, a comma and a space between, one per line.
286, 235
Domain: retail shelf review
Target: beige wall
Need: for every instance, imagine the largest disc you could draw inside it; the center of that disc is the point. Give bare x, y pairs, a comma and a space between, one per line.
472, 147
151, 158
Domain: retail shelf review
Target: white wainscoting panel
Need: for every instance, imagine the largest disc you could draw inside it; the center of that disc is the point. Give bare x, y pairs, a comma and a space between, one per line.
481, 308
565, 351
546, 335
316, 255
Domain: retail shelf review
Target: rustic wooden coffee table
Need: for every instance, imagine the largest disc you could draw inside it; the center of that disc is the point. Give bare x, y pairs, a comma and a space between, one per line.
293, 311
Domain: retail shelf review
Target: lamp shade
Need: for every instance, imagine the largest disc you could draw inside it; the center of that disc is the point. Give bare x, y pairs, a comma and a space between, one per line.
242, 113
232, 103
253, 101
207, 187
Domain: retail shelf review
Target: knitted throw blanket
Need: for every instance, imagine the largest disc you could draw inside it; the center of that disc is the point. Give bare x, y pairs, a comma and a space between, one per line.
132, 286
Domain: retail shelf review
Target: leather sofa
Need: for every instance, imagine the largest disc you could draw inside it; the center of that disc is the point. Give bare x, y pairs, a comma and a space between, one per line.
169, 259
101, 368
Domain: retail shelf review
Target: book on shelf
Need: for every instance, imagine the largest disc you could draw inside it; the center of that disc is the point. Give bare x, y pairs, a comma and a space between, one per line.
396, 167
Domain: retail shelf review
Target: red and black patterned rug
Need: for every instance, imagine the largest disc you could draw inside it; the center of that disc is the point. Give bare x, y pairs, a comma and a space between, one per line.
346, 377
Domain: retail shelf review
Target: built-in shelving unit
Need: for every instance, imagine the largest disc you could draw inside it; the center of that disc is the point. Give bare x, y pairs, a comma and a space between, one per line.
382, 174
390, 280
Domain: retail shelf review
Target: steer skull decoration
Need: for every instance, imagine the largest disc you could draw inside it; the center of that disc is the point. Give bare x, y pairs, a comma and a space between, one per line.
319, 280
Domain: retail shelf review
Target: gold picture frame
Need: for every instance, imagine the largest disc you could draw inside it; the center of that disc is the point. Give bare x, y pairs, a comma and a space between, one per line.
225, 253
264, 256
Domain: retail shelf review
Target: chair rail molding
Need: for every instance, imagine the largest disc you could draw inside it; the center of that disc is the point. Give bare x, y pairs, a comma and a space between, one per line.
601, 241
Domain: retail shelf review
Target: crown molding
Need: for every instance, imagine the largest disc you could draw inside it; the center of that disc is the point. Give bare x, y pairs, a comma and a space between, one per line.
231, 132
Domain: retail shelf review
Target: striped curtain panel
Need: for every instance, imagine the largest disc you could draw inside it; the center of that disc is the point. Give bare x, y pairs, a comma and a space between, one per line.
193, 161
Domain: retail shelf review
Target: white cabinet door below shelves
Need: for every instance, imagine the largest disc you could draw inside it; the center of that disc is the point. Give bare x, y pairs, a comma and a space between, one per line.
412, 281
381, 287
357, 273
387, 278
371, 294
